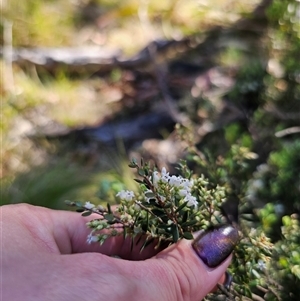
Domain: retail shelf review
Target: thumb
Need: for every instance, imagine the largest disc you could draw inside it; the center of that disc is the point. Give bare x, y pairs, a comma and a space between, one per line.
189, 270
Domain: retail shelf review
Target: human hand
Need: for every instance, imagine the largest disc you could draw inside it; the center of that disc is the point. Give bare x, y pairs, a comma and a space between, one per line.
45, 257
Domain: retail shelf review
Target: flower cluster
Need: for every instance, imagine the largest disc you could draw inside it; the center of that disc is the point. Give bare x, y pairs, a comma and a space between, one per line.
177, 185
166, 208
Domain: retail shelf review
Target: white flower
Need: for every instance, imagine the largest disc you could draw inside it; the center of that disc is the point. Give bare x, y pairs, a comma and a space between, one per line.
126, 195
175, 181
183, 192
187, 184
261, 265
91, 238
156, 178
192, 201
185, 187
89, 205
164, 175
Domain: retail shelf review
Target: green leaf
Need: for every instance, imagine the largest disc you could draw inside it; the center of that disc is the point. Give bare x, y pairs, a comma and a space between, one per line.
146, 184
146, 243
146, 225
146, 204
159, 212
161, 215
80, 210
185, 216
149, 194
296, 270
247, 217
153, 202
136, 218
139, 181
163, 226
109, 217
188, 235
193, 215
175, 233
125, 233
141, 172
219, 219
146, 170
86, 213
181, 207
133, 163
109, 208
69, 203
247, 292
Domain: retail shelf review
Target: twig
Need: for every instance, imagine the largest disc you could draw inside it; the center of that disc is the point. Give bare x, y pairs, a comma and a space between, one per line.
149, 211
171, 216
257, 298
288, 131
264, 290
225, 291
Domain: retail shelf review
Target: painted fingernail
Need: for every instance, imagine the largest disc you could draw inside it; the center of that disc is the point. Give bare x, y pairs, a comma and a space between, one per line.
215, 245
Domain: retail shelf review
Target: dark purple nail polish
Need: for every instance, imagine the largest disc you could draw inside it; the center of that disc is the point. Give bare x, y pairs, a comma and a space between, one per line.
215, 245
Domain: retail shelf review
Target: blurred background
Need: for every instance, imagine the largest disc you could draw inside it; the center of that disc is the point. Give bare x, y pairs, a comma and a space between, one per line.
88, 84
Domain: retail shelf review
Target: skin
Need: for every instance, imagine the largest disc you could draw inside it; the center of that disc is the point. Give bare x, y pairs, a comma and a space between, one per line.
45, 257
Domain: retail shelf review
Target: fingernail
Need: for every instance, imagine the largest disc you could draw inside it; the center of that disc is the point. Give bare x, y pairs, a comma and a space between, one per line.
215, 245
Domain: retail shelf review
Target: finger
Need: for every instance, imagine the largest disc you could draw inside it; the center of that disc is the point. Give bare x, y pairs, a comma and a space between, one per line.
189, 271
185, 271
71, 232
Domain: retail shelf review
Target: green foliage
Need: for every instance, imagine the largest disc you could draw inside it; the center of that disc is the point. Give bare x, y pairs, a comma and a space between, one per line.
249, 86
234, 132
45, 185
228, 169
270, 218
285, 263
40, 23
261, 270
166, 208
278, 181
285, 168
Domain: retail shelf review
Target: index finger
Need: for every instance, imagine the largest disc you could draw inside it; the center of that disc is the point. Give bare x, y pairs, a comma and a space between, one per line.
71, 232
